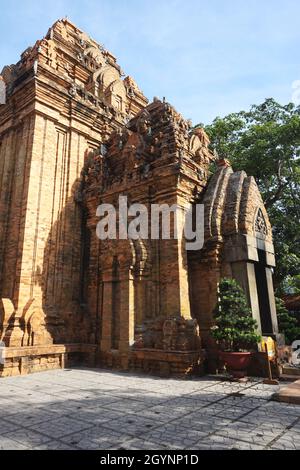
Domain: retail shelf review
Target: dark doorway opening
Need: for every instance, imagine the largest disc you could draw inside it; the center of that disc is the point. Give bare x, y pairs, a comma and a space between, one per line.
263, 295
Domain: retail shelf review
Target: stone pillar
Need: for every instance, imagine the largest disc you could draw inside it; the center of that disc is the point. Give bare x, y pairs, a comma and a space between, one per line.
106, 340
181, 255
205, 274
126, 311
244, 273
252, 293
173, 271
269, 275
140, 298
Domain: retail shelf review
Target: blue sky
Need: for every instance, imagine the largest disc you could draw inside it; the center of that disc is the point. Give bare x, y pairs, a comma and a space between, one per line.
207, 57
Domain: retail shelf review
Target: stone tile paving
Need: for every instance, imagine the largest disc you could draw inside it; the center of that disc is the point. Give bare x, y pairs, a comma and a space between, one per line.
96, 409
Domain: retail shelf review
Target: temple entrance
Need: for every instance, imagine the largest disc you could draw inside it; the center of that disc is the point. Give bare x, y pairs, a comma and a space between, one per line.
262, 292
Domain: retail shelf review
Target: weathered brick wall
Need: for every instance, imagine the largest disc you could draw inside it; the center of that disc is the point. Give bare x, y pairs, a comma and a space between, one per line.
15, 148
137, 286
64, 96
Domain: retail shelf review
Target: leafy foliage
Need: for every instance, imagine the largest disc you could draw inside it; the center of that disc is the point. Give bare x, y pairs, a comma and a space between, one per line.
265, 142
235, 328
288, 324
291, 284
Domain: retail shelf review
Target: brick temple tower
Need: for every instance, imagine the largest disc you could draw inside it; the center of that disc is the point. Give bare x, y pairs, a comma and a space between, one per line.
74, 132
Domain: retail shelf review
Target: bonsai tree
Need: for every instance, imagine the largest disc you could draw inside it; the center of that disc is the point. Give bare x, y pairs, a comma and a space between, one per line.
235, 329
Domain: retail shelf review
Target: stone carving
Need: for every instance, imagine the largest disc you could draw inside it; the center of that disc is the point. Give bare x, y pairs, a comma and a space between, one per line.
92, 172
96, 54
105, 76
144, 123
168, 334
188, 335
130, 151
63, 30
66, 66
72, 91
202, 136
51, 54
107, 84
116, 95
132, 87
198, 146
260, 224
170, 328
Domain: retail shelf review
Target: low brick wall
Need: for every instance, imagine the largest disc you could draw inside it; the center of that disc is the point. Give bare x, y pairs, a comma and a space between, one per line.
29, 359
156, 362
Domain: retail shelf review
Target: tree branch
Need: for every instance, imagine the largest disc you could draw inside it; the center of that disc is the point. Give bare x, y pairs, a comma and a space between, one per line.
270, 200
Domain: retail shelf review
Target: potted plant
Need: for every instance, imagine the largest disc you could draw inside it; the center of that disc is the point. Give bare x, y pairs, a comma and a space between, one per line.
235, 330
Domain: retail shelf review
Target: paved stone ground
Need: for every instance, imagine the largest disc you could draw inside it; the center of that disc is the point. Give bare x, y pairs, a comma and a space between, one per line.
96, 409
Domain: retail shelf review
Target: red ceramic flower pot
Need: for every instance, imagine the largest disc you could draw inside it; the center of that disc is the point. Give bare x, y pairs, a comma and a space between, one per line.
236, 363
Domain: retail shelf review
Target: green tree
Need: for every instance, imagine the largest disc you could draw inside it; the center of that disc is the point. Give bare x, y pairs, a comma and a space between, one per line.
265, 142
287, 323
235, 329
